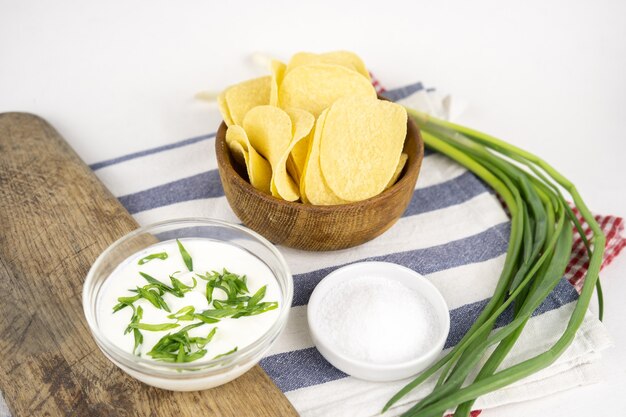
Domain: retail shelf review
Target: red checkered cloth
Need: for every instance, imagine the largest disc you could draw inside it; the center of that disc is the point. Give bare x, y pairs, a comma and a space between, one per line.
377, 85
613, 228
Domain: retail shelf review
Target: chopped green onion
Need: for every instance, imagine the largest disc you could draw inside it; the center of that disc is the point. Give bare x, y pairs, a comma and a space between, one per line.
158, 284
186, 257
155, 327
206, 318
154, 297
179, 347
125, 302
258, 296
183, 312
201, 342
146, 259
230, 352
180, 288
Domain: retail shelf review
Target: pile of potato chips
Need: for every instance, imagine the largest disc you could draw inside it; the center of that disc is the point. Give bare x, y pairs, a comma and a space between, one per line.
315, 131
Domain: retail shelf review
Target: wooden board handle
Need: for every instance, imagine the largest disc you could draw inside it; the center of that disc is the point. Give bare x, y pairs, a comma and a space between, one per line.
56, 218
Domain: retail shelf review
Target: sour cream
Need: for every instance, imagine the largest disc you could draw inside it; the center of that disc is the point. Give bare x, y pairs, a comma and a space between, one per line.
208, 255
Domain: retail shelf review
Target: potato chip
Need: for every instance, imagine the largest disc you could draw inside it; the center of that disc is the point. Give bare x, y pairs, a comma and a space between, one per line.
286, 185
297, 158
303, 123
293, 171
313, 188
315, 87
221, 103
271, 131
278, 72
360, 146
239, 153
399, 168
344, 58
237, 100
259, 170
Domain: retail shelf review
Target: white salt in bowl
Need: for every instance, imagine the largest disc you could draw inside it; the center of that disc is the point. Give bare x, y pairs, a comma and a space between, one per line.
329, 317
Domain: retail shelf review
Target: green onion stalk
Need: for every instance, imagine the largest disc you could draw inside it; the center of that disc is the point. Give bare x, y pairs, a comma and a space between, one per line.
539, 250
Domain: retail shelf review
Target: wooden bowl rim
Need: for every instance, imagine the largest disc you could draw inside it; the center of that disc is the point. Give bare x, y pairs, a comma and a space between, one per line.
411, 170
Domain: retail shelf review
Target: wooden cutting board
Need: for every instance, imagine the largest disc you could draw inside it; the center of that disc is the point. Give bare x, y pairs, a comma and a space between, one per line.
56, 217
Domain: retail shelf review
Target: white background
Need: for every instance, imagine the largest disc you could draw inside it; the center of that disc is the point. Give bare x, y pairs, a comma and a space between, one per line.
116, 77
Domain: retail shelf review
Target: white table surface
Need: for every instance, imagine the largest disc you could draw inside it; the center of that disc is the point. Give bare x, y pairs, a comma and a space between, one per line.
115, 77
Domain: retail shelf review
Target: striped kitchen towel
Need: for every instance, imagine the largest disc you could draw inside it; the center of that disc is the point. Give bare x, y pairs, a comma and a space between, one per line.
454, 232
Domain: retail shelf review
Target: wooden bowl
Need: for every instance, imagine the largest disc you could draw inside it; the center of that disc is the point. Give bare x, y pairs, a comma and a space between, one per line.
317, 228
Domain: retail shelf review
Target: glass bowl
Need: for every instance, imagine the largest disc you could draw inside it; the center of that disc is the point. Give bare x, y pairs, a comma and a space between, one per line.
190, 376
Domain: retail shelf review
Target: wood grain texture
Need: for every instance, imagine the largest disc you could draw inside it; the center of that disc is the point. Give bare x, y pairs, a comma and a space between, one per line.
56, 218
310, 227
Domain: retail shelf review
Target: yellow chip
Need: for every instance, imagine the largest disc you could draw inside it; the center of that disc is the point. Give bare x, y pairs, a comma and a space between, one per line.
259, 170
344, 58
315, 87
285, 185
303, 123
295, 173
399, 168
271, 131
297, 159
240, 154
278, 72
237, 100
313, 188
298, 155
360, 147
221, 103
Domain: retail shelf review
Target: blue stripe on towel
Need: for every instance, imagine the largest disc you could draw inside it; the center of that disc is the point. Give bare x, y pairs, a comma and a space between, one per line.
208, 185
306, 367
403, 92
190, 141
204, 185
480, 247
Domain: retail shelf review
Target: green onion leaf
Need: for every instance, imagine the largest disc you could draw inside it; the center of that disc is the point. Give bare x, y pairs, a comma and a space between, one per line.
219, 313
157, 283
182, 312
155, 327
154, 297
194, 356
180, 288
256, 309
185, 255
230, 352
201, 342
209, 292
189, 327
125, 302
258, 296
138, 340
181, 353
206, 319
160, 255
177, 347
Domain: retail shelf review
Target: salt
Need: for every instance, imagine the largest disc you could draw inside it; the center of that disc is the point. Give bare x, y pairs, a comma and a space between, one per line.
377, 320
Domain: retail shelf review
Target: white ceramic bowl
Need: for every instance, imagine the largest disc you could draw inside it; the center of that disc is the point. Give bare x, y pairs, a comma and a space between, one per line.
373, 371
198, 375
